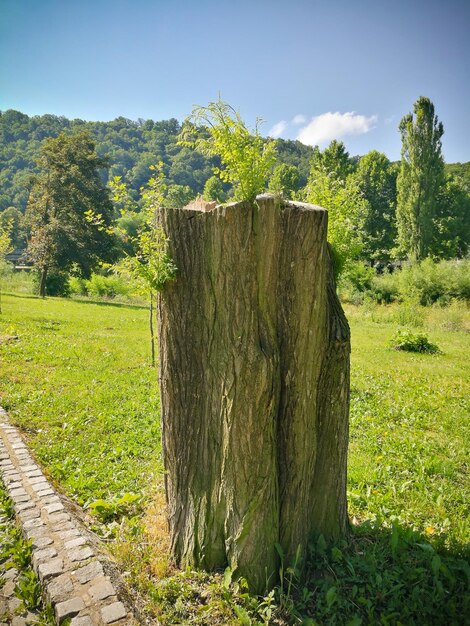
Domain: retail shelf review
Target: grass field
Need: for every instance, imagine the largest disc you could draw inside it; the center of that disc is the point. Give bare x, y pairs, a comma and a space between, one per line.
75, 376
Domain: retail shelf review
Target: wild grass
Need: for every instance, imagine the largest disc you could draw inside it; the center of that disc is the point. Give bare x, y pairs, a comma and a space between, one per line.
77, 381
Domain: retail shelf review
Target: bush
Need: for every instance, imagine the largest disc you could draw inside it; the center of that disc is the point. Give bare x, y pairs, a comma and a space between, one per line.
427, 282
355, 280
384, 288
77, 285
107, 286
409, 342
57, 283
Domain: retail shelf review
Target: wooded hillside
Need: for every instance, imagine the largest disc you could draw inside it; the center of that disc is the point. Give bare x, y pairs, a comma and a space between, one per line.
130, 146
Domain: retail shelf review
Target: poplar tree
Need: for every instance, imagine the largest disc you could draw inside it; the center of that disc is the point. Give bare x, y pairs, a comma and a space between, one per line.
420, 179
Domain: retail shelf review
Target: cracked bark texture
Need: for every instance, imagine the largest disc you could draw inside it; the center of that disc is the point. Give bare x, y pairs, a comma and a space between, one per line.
254, 382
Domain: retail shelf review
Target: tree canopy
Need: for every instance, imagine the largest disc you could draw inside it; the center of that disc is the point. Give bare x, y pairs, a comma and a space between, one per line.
69, 211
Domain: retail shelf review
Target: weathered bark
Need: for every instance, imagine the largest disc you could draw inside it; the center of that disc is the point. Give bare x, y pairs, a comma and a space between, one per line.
254, 381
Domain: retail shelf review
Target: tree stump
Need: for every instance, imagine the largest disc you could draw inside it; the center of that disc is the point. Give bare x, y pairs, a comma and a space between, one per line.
254, 382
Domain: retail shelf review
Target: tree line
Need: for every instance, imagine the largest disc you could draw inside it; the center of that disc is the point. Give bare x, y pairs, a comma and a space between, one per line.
56, 175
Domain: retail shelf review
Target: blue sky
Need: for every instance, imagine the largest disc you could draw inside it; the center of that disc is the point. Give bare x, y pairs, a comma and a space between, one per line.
313, 70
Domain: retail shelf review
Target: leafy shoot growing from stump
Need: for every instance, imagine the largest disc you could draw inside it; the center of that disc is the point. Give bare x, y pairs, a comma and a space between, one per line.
151, 266
247, 158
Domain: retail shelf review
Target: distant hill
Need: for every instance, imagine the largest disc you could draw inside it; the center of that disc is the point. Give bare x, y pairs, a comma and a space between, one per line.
131, 147
462, 171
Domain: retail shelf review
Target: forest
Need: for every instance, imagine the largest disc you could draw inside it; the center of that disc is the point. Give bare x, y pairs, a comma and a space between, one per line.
130, 146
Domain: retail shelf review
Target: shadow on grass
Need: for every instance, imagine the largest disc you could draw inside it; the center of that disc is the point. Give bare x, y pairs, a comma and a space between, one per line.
105, 303
392, 576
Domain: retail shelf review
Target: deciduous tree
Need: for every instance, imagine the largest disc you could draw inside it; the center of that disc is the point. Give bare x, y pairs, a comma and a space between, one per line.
377, 179
5, 248
346, 206
69, 211
285, 180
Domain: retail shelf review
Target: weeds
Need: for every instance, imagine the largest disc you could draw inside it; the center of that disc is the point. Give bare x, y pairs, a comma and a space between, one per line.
15, 552
28, 590
410, 342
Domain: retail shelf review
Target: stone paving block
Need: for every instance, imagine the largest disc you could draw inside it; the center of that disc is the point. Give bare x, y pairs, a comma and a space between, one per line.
19, 491
42, 542
10, 573
42, 486
68, 608
80, 554
11, 476
22, 620
34, 473
15, 485
18, 499
101, 590
29, 468
50, 499
44, 555
22, 506
81, 620
60, 588
34, 523
45, 492
65, 525
74, 543
55, 518
8, 588
18, 446
29, 514
54, 507
36, 479
13, 604
36, 532
50, 569
88, 572
113, 612
68, 534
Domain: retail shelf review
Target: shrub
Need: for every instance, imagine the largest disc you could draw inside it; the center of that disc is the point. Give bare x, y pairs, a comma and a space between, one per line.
426, 282
77, 285
384, 288
409, 342
57, 283
100, 286
107, 286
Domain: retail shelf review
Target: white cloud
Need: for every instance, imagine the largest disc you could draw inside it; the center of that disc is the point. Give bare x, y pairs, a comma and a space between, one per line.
328, 126
277, 129
299, 119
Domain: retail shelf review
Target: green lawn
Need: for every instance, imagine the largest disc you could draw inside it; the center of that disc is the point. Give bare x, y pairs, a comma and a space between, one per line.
78, 383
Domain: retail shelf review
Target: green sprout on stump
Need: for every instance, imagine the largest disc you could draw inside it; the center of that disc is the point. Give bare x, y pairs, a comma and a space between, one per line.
246, 158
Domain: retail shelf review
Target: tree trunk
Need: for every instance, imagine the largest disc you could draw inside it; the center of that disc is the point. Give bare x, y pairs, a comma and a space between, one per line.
42, 283
254, 382
152, 335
